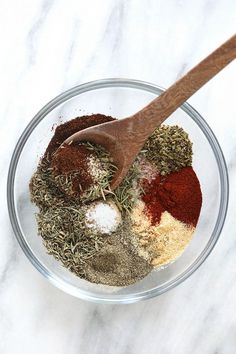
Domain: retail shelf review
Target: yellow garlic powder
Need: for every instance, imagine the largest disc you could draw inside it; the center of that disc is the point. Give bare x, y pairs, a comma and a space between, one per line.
162, 243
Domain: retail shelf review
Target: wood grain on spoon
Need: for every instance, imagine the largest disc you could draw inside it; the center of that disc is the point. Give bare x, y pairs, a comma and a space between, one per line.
124, 138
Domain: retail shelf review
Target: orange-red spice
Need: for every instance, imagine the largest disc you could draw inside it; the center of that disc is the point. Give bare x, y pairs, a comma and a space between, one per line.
179, 193
151, 198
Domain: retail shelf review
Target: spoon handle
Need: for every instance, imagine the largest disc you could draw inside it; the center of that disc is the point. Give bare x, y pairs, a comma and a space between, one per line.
124, 138
162, 107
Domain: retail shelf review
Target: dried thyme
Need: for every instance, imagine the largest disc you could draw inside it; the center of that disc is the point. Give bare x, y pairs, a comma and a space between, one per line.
44, 193
66, 237
78, 248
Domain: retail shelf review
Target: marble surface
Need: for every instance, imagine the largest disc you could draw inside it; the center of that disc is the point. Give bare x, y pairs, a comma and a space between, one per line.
49, 46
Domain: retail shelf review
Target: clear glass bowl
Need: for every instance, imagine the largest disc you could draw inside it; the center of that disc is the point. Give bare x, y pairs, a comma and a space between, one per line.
118, 98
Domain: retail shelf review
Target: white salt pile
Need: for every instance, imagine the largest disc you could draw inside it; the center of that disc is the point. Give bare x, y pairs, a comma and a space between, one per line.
103, 217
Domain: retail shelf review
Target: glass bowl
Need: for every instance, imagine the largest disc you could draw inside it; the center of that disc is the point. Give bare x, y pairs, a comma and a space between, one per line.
118, 98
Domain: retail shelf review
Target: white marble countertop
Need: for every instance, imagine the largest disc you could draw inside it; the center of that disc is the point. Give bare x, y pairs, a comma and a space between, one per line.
49, 46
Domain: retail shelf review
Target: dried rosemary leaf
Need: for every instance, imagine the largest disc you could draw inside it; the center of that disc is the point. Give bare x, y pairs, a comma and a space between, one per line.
126, 194
128, 191
102, 182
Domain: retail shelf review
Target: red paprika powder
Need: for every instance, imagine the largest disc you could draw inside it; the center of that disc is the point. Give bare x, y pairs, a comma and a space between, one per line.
151, 198
181, 196
179, 193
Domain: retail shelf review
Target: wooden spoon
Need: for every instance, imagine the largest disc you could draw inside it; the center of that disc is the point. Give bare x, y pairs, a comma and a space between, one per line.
124, 138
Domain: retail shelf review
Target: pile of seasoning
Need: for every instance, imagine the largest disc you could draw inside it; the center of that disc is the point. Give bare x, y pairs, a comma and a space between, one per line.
116, 237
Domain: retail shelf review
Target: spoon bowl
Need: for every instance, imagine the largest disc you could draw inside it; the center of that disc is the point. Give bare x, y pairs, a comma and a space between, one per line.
101, 135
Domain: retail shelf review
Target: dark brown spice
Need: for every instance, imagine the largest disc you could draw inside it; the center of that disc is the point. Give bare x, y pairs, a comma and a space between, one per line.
63, 131
72, 158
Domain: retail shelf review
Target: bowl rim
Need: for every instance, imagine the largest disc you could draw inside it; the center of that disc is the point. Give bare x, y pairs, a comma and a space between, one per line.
112, 298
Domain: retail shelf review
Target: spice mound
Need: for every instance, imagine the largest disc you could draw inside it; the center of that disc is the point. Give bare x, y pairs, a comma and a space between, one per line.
116, 237
103, 217
82, 170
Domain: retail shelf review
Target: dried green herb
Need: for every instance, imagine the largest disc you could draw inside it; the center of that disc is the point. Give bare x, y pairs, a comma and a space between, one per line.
44, 193
169, 149
65, 182
101, 185
67, 238
126, 194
